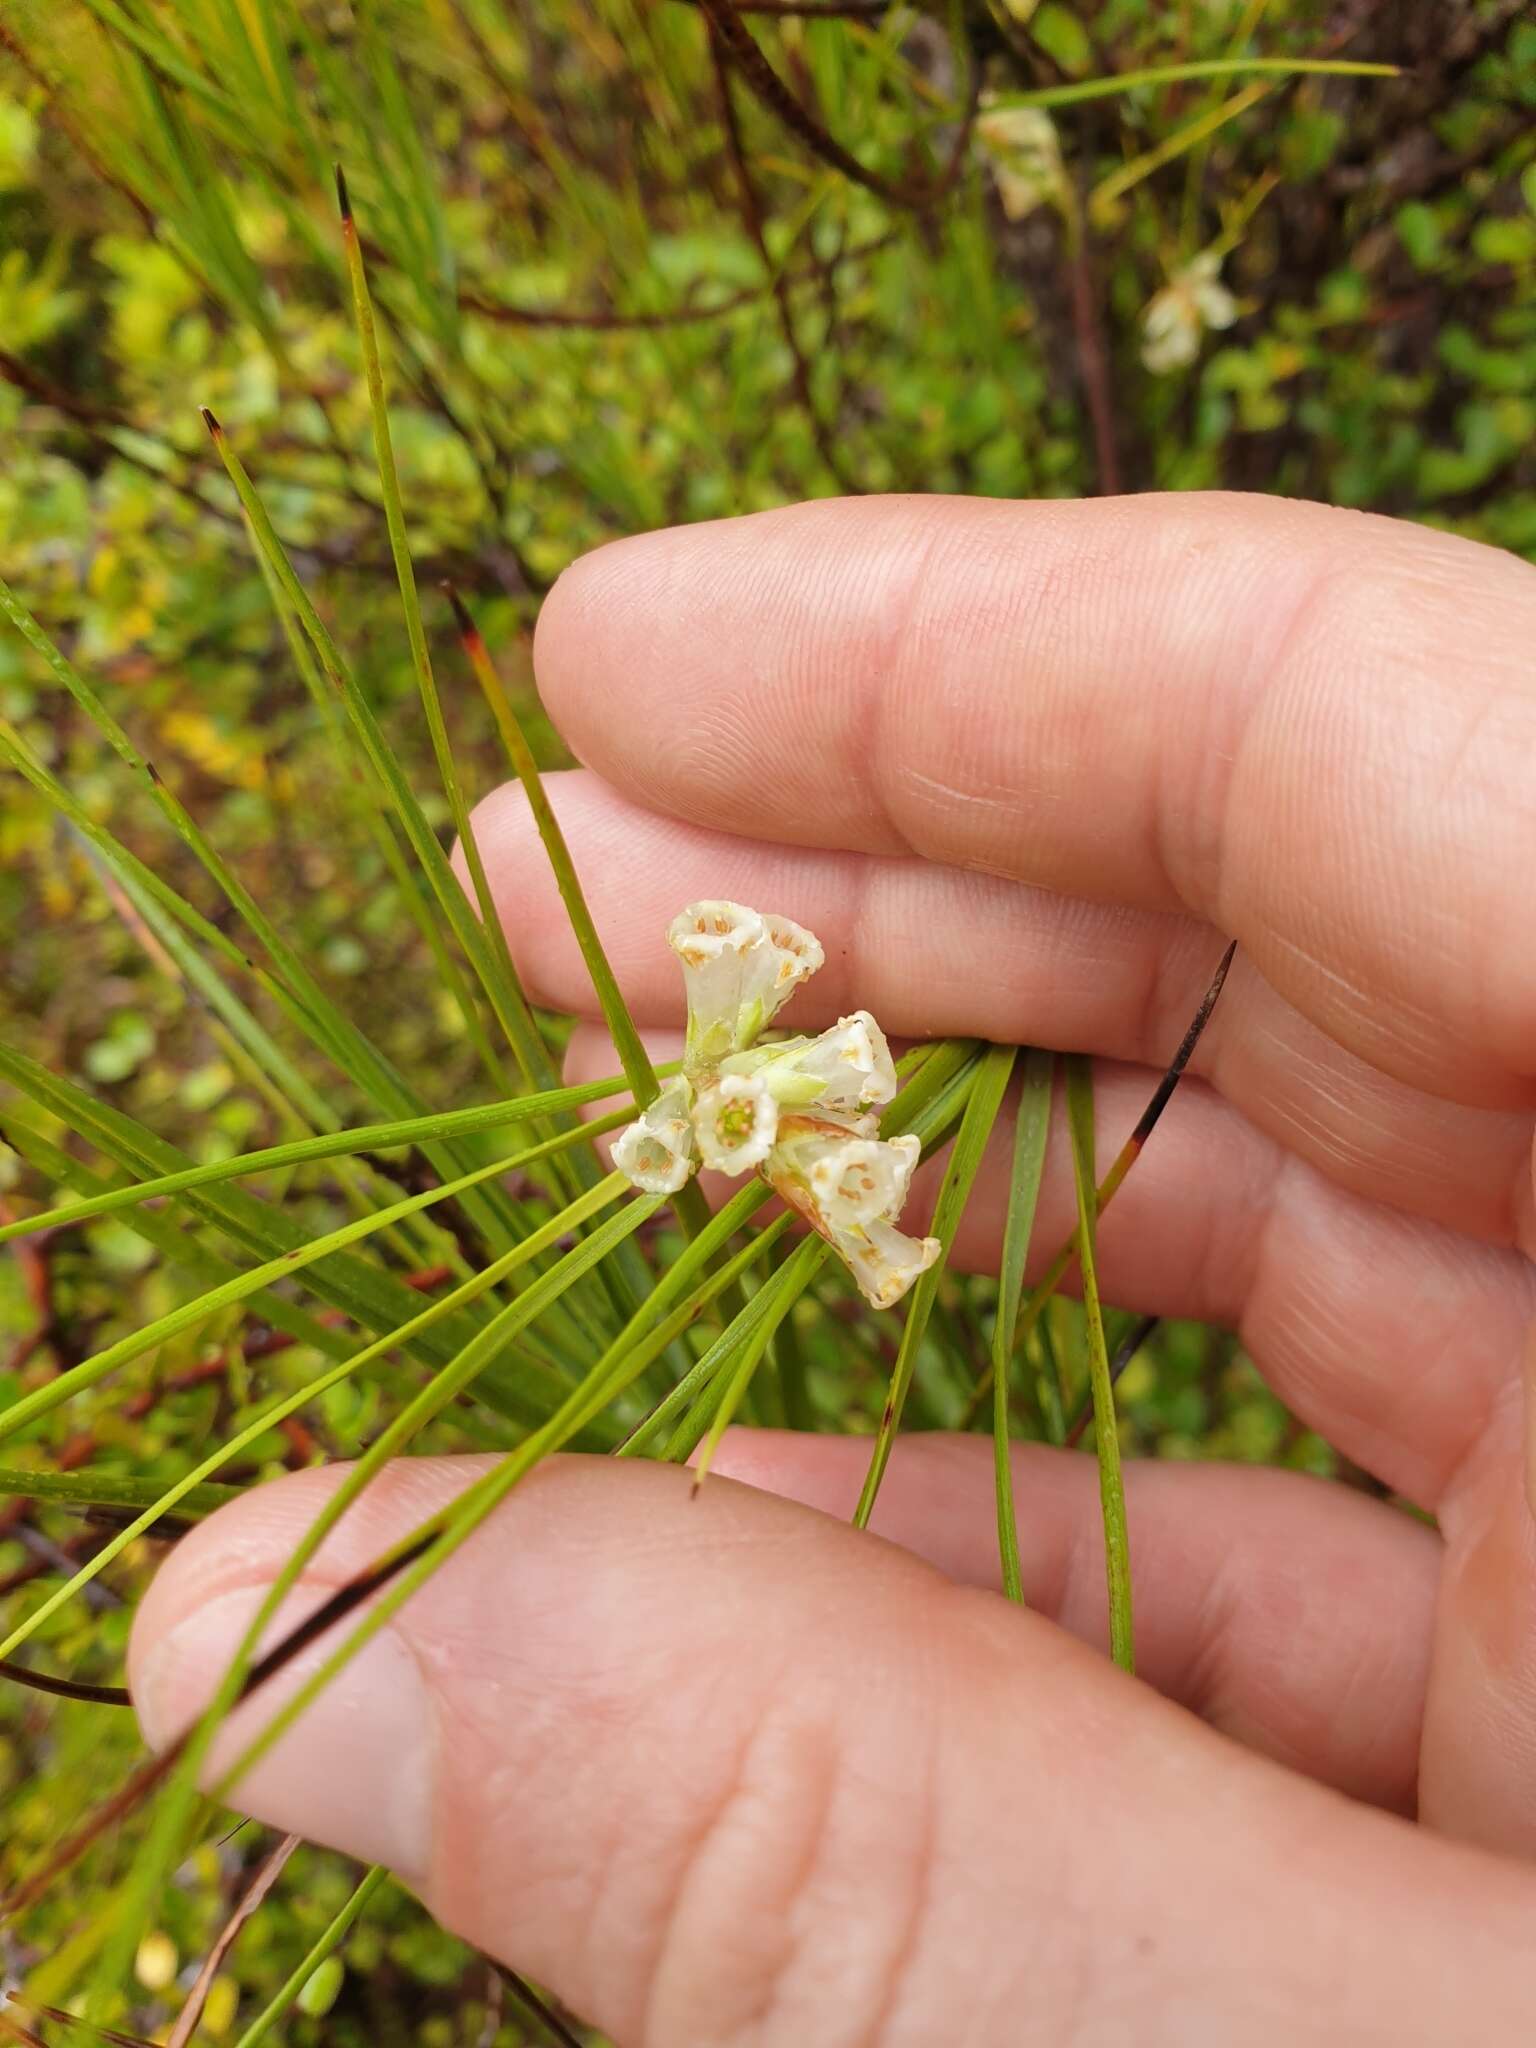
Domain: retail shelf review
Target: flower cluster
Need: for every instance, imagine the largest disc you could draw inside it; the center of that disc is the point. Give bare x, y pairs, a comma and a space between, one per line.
801, 1111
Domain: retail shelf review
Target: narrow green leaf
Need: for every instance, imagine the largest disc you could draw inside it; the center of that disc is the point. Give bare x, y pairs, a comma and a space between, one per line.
88, 1487
633, 1057
1031, 1129
65, 1385
1175, 74
714, 1360
983, 1103
503, 990
773, 1302
369, 799
326, 1145
1124, 1159
1117, 1556
326, 1945
1105, 195
405, 574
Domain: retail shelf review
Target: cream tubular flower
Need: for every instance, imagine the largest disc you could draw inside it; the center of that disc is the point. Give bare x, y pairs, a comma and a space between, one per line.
739, 968
842, 1179
845, 1070
853, 1063
714, 941
852, 1188
656, 1151
865, 1180
736, 1121
883, 1261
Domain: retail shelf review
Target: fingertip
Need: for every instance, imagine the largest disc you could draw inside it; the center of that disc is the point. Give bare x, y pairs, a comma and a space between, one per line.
248, 1542
593, 603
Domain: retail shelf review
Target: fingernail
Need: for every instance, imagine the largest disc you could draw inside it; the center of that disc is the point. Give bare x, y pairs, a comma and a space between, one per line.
354, 1771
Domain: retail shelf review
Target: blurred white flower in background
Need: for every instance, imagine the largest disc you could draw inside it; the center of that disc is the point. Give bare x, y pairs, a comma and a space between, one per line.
1177, 316
1024, 151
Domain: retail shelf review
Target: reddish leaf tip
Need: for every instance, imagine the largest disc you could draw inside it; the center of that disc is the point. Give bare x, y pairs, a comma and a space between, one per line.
469, 632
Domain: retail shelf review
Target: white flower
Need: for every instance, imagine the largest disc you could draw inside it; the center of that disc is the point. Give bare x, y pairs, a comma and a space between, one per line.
852, 1186
865, 1180
739, 968
839, 1177
846, 1069
1176, 317
883, 1261
735, 1121
1024, 151
657, 1151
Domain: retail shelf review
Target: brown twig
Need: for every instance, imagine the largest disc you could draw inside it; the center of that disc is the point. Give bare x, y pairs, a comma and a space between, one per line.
64, 1688
752, 220
268, 1871
531, 2002
1092, 354
1125, 1351
765, 84
111, 2035
1124, 1160
813, 10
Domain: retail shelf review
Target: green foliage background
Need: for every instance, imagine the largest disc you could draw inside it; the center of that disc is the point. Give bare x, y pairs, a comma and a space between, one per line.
612, 298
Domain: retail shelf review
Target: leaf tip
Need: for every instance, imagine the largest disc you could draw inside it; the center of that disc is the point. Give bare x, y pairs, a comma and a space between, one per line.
469, 632
343, 197
211, 423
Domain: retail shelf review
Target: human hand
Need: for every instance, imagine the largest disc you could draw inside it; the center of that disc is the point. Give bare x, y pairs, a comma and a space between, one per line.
724, 1771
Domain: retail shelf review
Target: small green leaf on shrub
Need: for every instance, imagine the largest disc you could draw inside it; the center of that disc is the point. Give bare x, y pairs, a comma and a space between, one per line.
1061, 35
1418, 229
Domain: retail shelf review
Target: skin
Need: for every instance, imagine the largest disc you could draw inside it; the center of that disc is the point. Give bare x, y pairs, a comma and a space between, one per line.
723, 1771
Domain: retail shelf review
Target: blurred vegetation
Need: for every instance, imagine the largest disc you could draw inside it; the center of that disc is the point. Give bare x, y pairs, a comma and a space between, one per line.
621, 281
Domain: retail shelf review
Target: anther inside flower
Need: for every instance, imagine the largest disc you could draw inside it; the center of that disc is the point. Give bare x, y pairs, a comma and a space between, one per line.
798, 1112
735, 1120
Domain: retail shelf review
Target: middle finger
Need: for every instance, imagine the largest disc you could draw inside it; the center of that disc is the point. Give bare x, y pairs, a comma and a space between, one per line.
933, 950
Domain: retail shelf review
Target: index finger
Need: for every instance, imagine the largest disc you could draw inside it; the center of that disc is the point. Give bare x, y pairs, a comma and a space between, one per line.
1315, 729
